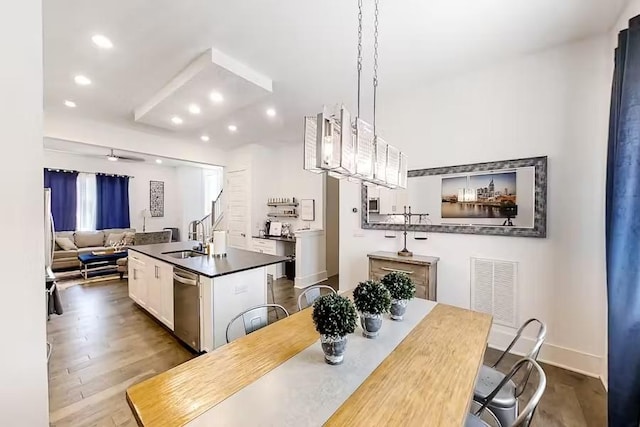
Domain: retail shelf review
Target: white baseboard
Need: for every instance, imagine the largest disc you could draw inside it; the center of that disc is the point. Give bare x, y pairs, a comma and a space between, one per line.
551, 354
312, 279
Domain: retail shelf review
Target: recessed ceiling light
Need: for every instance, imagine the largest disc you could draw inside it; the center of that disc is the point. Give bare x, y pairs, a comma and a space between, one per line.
159, 161
70, 104
82, 80
194, 109
233, 128
204, 138
271, 112
216, 97
176, 120
101, 41
112, 158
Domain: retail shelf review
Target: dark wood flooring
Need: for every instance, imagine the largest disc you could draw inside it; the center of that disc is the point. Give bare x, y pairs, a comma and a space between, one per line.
103, 344
570, 399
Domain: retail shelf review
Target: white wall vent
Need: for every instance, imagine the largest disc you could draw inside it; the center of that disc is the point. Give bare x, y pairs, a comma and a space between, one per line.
493, 289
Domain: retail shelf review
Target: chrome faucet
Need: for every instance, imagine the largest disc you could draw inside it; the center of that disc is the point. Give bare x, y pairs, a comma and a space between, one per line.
201, 243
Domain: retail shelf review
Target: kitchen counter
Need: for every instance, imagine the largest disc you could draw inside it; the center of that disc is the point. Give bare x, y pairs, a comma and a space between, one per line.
237, 260
278, 238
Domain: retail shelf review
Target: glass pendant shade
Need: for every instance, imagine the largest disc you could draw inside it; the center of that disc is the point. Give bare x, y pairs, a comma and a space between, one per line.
328, 143
393, 166
380, 163
344, 149
333, 144
347, 144
403, 171
364, 150
310, 144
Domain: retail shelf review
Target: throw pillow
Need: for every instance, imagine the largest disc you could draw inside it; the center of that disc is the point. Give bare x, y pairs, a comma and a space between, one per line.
114, 239
66, 244
129, 238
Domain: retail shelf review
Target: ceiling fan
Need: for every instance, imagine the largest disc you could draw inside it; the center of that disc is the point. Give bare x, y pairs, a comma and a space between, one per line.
115, 158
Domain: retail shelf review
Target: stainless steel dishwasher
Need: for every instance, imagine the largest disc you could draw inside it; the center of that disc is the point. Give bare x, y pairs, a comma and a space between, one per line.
186, 307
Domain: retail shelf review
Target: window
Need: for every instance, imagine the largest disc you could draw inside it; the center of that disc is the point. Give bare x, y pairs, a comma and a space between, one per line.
86, 205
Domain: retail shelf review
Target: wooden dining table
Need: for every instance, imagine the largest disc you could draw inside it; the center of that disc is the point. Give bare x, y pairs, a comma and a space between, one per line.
420, 371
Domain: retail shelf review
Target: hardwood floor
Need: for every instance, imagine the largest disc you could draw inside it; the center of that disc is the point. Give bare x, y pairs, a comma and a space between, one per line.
287, 296
569, 400
103, 343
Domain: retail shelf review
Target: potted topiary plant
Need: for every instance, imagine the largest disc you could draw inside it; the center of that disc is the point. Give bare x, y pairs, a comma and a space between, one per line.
402, 289
372, 300
334, 317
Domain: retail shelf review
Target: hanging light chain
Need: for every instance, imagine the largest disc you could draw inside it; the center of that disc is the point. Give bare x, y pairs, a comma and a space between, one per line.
375, 64
359, 50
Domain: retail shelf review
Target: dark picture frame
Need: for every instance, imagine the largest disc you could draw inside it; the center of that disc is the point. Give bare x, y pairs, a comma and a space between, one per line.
156, 199
538, 230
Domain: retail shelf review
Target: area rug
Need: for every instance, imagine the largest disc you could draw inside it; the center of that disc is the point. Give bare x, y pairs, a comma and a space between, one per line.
67, 279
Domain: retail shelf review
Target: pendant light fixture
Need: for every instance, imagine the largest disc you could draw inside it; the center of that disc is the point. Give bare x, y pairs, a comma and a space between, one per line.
346, 148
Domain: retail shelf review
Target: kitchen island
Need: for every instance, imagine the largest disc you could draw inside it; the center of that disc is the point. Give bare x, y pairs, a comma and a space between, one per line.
181, 287
420, 371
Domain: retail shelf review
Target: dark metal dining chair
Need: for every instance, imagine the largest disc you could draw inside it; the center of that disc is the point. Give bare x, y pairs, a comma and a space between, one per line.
254, 318
482, 416
311, 294
505, 403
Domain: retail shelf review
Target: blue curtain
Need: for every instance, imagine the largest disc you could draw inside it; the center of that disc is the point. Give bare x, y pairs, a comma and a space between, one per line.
113, 202
63, 198
623, 232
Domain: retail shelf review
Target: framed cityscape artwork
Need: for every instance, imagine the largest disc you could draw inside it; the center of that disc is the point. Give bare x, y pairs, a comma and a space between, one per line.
481, 195
156, 198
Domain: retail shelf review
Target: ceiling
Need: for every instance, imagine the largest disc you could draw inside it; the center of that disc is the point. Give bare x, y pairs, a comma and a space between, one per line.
306, 48
96, 152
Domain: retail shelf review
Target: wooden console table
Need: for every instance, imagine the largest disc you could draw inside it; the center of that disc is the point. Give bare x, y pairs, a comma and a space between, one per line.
421, 269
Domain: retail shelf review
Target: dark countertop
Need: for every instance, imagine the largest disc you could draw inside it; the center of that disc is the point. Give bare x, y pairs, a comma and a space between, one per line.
236, 260
280, 239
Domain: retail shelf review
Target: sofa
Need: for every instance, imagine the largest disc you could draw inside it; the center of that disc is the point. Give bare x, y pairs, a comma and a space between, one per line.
85, 242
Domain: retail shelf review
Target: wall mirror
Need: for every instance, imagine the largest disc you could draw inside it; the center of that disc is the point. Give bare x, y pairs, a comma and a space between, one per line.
504, 198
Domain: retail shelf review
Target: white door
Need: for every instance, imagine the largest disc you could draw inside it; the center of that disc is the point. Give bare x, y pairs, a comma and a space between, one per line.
237, 190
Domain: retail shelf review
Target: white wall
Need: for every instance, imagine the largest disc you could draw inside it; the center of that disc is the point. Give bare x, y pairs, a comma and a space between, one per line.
552, 103
631, 10
191, 185
332, 214
286, 178
138, 186
23, 366
277, 172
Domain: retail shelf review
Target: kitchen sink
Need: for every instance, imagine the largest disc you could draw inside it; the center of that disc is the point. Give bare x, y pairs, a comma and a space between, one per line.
184, 254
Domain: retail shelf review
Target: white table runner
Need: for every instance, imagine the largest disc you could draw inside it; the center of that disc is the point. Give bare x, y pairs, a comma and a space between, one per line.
306, 391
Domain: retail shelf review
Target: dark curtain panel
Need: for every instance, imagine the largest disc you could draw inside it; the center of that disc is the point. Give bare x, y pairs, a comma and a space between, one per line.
113, 202
623, 232
63, 198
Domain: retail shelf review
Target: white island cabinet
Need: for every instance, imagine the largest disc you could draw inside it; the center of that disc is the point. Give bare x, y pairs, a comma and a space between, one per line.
223, 297
151, 286
226, 287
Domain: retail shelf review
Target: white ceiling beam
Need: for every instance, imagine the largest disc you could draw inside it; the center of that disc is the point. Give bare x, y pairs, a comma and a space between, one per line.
240, 69
211, 56
184, 76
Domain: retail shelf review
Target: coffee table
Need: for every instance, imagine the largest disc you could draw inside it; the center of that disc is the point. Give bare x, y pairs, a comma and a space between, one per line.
91, 260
